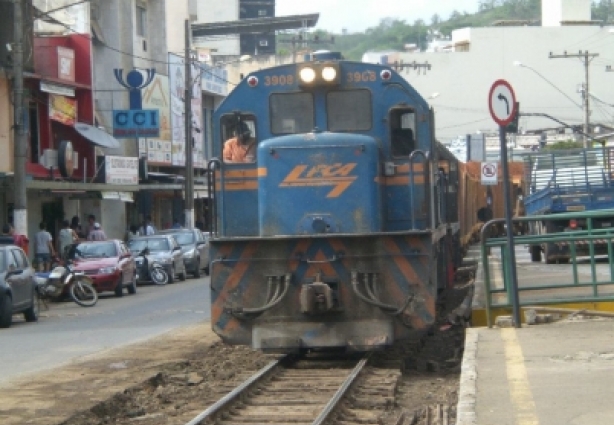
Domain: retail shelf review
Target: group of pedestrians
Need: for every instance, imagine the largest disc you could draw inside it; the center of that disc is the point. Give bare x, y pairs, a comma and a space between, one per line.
70, 233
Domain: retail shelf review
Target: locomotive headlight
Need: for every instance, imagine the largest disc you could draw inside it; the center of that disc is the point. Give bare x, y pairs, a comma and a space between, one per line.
329, 73
308, 75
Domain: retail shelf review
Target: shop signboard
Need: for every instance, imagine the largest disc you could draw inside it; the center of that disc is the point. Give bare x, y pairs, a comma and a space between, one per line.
177, 83
131, 123
62, 109
158, 150
121, 170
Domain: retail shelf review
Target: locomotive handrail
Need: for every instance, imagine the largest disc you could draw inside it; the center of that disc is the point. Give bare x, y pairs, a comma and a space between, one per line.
212, 165
427, 180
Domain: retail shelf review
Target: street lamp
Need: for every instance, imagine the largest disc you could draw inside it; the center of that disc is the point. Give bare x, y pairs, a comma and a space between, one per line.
520, 64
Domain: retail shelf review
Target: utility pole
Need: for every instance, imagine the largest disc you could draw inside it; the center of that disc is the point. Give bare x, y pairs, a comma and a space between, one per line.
20, 212
586, 58
189, 159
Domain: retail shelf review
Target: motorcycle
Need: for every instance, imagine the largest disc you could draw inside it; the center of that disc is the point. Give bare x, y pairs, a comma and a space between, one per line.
150, 269
62, 280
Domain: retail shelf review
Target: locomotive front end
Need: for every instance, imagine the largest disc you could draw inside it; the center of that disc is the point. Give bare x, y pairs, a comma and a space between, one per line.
324, 234
319, 183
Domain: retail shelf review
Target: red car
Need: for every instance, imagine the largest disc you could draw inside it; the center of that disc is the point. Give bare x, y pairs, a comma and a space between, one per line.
109, 264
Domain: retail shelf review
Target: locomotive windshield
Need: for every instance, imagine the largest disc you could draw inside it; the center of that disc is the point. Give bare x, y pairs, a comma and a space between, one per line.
292, 113
349, 110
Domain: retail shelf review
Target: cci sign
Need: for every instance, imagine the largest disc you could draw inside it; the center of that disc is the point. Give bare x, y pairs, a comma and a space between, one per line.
132, 123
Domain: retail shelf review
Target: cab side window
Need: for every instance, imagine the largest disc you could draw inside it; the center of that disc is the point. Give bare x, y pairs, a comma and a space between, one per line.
402, 132
239, 141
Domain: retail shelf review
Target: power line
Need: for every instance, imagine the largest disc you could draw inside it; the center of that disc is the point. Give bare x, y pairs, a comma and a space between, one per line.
586, 59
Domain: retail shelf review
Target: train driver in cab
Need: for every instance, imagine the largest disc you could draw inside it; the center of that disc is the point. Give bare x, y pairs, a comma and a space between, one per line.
242, 147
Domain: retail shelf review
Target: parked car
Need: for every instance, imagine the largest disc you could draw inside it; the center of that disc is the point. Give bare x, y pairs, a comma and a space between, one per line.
109, 263
17, 286
163, 248
194, 247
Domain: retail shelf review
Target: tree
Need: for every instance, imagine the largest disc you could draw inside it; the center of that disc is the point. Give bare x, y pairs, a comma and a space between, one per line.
455, 15
564, 145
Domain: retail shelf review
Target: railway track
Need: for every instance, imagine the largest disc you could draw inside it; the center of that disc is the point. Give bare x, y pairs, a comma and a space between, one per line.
306, 391
320, 390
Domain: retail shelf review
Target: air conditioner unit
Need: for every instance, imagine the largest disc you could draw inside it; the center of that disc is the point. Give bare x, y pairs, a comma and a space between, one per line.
49, 159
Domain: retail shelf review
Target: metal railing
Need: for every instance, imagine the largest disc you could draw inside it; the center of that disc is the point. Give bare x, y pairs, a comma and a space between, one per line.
558, 292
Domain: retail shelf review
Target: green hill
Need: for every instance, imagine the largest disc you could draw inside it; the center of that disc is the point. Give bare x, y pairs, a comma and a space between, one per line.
394, 34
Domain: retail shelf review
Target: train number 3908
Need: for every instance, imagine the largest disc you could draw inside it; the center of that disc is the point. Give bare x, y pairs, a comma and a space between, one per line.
357, 77
279, 80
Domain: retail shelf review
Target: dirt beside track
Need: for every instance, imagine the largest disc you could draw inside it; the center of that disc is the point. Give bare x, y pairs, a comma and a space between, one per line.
51, 397
171, 379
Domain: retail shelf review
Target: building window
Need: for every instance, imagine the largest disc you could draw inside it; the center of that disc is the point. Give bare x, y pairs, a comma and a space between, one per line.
262, 12
141, 20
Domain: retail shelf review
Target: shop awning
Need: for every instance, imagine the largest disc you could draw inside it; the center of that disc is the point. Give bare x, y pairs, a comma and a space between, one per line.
119, 196
97, 136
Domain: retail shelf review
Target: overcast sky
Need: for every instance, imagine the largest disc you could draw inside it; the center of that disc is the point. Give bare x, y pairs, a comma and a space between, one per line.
358, 15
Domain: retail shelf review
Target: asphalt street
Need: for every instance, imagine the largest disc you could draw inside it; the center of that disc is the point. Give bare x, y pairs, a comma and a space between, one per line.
67, 331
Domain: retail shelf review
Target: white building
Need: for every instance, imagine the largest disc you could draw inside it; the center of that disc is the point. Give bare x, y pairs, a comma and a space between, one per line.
463, 76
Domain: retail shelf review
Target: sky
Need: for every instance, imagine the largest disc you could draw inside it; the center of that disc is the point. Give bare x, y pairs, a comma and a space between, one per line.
358, 15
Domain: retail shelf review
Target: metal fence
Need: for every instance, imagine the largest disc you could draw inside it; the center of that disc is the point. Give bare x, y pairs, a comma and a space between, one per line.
579, 280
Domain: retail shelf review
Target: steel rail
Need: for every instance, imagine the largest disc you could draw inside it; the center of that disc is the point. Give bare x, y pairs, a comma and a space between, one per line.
236, 393
323, 416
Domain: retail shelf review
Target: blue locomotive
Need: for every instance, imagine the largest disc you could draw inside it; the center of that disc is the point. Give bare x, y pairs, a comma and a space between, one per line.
334, 209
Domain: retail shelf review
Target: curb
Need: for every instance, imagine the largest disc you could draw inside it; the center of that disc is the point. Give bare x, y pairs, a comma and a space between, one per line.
465, 410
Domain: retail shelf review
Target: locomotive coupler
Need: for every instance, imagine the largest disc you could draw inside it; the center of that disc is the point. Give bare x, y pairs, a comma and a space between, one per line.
316, 297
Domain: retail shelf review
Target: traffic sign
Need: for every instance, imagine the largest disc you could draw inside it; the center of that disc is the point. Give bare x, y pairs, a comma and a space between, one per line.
502, 102
489, 172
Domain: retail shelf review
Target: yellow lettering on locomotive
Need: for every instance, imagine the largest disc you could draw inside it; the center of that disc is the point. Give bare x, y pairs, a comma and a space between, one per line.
336, 175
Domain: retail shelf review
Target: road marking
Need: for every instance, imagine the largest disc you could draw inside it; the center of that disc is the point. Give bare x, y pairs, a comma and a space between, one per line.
520, 389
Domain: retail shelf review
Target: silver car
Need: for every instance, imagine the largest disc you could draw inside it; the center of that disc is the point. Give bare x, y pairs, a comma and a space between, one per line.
195, 249
165, 250
17, 286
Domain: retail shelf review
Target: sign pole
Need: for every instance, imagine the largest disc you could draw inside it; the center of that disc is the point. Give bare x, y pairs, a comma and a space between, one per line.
510, 229
503, 109
189, 157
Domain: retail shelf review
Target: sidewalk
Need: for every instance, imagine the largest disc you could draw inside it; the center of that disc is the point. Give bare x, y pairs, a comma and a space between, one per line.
553, 374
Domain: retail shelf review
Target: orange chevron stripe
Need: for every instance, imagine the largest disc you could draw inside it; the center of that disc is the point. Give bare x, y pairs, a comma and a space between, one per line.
238, 272
403, 263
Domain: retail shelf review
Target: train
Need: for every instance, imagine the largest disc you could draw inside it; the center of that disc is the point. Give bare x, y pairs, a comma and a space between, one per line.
336, 226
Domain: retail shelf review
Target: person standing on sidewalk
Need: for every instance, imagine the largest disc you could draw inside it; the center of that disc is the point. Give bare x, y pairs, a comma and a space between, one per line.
148, 228
66, 237
44, 247
91, 220
97, 234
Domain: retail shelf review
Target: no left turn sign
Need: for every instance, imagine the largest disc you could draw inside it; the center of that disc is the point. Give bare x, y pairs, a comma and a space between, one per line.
502, 102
